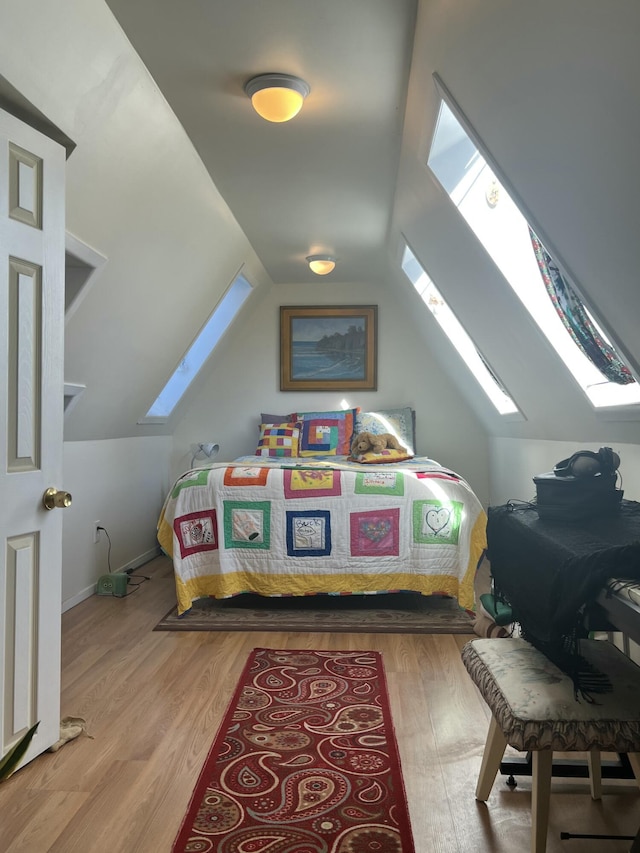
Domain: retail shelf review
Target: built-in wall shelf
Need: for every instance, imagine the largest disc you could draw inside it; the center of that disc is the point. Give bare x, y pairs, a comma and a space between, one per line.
81, 263
72, 392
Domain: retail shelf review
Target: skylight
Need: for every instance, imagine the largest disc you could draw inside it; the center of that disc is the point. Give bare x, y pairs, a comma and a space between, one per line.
449, 323
200, 350
504, 232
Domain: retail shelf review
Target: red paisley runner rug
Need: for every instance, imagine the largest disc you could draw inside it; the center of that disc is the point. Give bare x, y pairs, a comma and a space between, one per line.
305, 761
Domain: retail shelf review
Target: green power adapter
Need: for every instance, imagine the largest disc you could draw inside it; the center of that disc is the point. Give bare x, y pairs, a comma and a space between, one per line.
113, 584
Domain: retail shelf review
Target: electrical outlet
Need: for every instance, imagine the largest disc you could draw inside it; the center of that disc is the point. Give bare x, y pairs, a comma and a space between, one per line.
96, 532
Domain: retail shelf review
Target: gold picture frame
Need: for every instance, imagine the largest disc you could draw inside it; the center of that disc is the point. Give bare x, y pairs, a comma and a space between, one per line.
331, 348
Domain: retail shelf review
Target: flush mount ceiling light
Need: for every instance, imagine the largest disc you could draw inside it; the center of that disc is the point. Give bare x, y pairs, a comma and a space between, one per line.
276, 97
321, 264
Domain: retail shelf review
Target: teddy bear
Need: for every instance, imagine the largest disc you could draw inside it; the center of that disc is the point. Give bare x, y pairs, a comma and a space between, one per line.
365, 442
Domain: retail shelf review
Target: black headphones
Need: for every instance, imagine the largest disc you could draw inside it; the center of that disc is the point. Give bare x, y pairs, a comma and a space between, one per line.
586, 463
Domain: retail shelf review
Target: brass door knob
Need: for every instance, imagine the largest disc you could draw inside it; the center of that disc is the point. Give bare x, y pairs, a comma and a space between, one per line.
52, 498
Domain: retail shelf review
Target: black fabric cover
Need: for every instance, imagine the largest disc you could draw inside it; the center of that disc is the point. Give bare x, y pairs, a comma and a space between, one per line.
549, 570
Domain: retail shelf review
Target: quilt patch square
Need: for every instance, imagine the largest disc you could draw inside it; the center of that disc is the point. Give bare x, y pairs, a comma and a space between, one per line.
198, 477
379, 483
375, 533
436, 522
247, 524
244, 475
303, 483
309, 533
196, 532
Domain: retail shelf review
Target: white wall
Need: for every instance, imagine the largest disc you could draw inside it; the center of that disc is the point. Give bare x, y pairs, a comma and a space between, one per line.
515, 462
138, 193
225, 405
122, 483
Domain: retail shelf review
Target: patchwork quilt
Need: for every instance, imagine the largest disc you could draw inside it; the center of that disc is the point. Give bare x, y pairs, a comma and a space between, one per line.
309, 526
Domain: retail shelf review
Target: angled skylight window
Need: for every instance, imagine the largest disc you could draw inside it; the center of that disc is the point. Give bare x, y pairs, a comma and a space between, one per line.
200, 350
455, 332
498, 223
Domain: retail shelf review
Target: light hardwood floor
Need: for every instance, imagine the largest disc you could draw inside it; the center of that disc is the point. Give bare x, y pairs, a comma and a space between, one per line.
153, 702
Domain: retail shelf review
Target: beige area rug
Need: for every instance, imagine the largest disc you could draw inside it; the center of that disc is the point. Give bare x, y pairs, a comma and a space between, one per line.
394, 613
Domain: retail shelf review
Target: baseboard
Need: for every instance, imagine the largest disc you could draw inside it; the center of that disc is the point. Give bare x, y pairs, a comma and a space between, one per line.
129, 567
141, 560
78, 597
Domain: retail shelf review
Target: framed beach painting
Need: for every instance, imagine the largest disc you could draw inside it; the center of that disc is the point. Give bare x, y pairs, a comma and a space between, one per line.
329, 348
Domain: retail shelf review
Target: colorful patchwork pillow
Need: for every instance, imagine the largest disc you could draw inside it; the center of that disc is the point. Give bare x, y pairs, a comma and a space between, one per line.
399, 422
326, 433
386, 455
280, 439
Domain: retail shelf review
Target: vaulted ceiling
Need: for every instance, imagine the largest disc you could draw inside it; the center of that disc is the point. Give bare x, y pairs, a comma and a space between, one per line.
322, 183
347, 176
550, 88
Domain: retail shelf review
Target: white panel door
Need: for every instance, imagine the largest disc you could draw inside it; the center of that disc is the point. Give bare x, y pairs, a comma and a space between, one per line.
31, 411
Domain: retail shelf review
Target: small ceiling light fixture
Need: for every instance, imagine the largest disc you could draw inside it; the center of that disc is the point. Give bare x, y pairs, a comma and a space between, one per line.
321, 264
277, 97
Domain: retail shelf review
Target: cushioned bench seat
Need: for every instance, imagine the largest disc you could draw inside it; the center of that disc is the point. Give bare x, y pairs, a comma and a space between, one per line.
534, 708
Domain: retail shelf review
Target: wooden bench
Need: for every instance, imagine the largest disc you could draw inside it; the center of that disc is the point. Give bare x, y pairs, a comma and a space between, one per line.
534, 708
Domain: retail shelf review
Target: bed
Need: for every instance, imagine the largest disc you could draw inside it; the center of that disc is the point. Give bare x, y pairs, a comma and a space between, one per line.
309, 523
